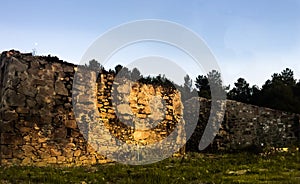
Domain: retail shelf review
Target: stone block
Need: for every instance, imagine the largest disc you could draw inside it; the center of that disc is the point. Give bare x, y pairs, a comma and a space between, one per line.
6, 151
22, 110
18, 153
68, 68
10, 115
77, 153
26, 90
60, 134
83, 158
61, 89
7, 126
41, 164
25, 130
168, 117
142, 116
70, 145
123, 89
124, 109
31, 103
71, 124
43, 139
26, 161
16, 65
8, 138
28, 149
68, 153
11, 98
51, 160
61, 159
44, 155
55, 152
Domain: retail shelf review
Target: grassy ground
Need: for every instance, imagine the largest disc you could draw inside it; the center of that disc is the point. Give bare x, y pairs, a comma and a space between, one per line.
194, 168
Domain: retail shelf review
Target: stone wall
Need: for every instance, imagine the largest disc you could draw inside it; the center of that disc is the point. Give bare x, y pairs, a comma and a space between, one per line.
38, 124
120, 117
248, 127
42, 124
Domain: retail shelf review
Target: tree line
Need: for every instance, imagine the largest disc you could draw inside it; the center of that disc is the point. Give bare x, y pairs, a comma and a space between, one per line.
281, 91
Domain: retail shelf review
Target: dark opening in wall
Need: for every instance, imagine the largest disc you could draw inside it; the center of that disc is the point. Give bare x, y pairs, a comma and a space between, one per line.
296, 128
69, 132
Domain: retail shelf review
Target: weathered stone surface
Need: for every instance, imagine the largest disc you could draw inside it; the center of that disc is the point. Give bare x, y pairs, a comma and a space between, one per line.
7, 138
124, 109
51, 160
141, 135
68, 153
27, 91
58, 68
25, 129
26, 161
68, 68
47, 90
70, 145
10, 115
27, 138
14, 99
71, 124
123, 89
77, 153
44, 155
60, 133
6, 152
61, 159
60, 88
39, 126
30, 103
17, 65
40, 164
27, 149
19, 154
42, 139
22, 110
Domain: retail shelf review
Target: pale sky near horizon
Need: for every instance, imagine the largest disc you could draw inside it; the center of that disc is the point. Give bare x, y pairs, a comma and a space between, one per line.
250, 38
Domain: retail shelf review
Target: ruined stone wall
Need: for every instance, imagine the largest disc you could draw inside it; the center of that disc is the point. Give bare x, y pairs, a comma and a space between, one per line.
252, 125
38, 125
120, 117
248, 127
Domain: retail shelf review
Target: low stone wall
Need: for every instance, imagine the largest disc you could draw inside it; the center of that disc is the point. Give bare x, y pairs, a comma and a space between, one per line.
248, 127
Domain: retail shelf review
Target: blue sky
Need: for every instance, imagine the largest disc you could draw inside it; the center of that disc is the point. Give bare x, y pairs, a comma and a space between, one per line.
250, 39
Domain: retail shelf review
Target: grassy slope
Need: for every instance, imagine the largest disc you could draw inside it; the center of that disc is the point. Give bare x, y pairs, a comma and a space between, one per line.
195, 168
